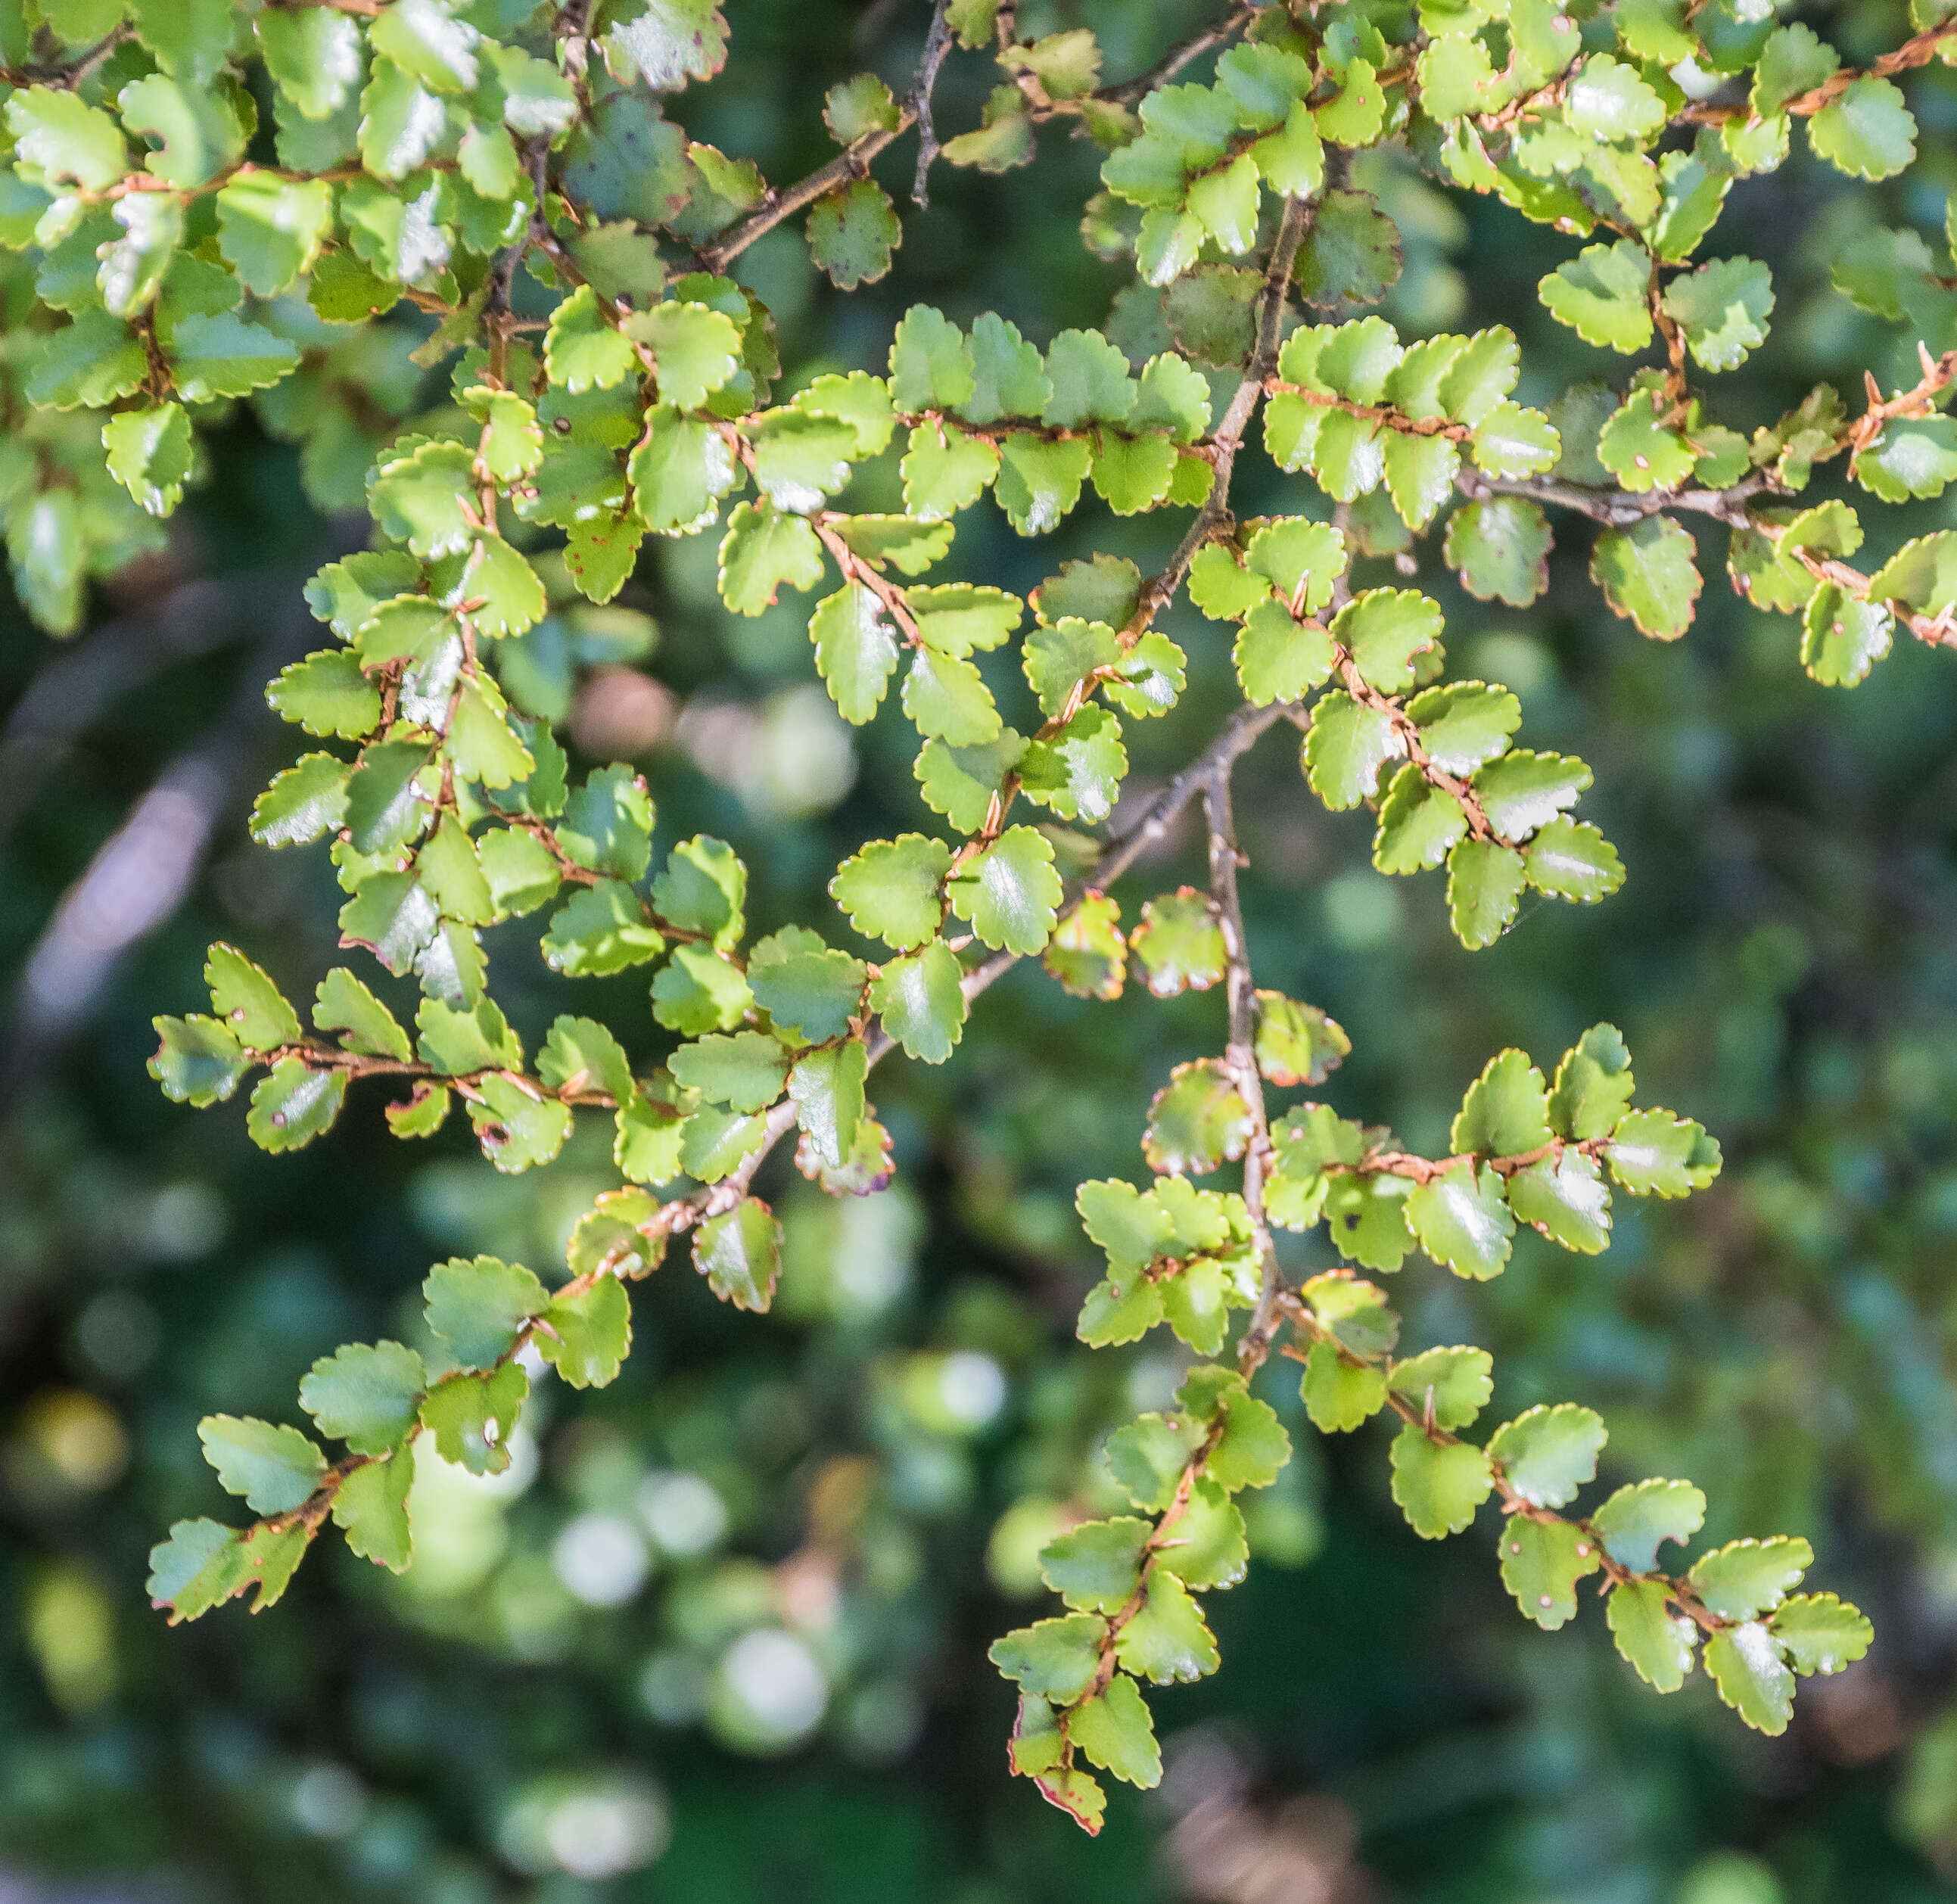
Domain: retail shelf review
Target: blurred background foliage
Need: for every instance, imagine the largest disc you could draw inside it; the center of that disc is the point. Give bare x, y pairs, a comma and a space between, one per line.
718, 1635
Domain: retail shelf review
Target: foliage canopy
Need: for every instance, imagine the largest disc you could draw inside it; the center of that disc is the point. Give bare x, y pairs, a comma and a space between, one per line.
310, 207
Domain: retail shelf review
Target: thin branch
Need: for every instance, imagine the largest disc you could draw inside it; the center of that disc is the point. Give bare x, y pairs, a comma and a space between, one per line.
1176, 58
1240, 1055
936, 46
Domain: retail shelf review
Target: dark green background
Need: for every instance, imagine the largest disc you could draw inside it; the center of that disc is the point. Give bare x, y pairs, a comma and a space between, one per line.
1781, 959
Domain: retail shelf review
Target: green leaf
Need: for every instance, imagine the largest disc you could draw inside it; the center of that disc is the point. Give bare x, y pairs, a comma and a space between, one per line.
1095, 1566
371, 1507
1747, 1667
1637, 1520
891, 889
1867, 132
608, 823
810, 991
516, 1129
1593, 1085
472, 1417
1179, 943
478, 1306
151, 453
1078, 771
946, 698
932, 366
220, 354
1039, 480
740, 1253
666, 42
1641, 449
746, 1070
703, 889
585, 1337
1485, 882
1724, 307
1606, 99
1566, 1198
1197, 1122
827, 1088
1843, 637
1418, 822
1465, 724
392, 917
1819, 1633
1548, 1453
1420, 472
203, 1563
1747, 1578
1792, 62
580, 1055
1506, 1111
852, 232
1087, 953
1222, 586
921, 1001
92, 361
293, 1104
367, 1396
957, 619
198, 1062
1147, 1457
762, 550
1340, 1396
1656, 1641
1501, 548
898, 541
1351, 254
700, 991
1511, 440
696, 351
582, 351
1648, 575
1114, 1730
243, 995
1438, 1486
427, 499
1010, 892
1208, 1546
1168, 1639
649, 1136
66, 139
1453, 1384
1278, 659
1053, 1659
1542, 1561
944, 470
602, 928
1345, 747
276, 1469
1914, 456
1604, 295
1060, 654
269, 229
1296, 1044
1653, 1153
1384, 630
1524, 791
679, 472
